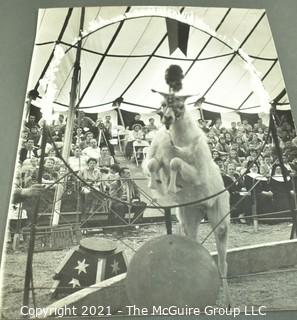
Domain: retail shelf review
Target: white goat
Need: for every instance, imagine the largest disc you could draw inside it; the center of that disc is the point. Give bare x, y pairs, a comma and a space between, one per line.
179, 163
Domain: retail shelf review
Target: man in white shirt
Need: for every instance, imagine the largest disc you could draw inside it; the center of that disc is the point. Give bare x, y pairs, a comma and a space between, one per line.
93, 151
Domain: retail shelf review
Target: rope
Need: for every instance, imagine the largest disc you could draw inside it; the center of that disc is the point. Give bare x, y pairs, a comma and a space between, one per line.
235, 53
141, 55
148, 59
261, 216
125, 62
208, 41
69, 73
103, 58
155, 109
262, 79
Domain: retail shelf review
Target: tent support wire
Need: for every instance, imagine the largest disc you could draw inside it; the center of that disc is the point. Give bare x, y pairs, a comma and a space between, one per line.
208, 41
148, 59
234, 55
103, 58
263, 78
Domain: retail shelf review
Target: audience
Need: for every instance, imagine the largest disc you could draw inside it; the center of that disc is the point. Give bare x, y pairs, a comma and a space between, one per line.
233, 148
237, 148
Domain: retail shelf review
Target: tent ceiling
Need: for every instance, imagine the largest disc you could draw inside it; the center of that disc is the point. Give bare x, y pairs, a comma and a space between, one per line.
119, 74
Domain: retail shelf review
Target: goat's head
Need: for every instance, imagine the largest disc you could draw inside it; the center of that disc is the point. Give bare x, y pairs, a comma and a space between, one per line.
172, 109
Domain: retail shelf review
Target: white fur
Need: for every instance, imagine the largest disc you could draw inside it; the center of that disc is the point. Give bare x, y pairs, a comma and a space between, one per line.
180, 159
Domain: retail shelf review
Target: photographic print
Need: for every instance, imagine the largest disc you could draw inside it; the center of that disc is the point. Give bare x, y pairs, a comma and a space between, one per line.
156, 168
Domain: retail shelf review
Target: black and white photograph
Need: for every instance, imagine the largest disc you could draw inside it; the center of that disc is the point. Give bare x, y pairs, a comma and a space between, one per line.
156, 170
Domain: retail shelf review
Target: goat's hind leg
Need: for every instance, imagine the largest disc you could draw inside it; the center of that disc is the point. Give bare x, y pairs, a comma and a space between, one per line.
221, 227
189, 219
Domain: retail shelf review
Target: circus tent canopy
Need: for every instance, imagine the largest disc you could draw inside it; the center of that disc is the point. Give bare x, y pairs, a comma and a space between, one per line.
127, 59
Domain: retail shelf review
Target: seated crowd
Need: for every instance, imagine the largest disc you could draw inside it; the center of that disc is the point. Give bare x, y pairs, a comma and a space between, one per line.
234, 150
92, 157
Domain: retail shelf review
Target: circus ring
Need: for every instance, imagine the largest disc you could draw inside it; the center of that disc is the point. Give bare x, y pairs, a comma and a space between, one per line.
261, 259
252, 270
275, 287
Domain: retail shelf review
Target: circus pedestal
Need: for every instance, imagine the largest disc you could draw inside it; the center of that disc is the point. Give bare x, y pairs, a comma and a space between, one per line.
93, 261
172, 271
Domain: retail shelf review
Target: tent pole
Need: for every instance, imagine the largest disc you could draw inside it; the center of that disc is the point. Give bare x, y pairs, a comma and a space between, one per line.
201, 113
70, 121
121, 116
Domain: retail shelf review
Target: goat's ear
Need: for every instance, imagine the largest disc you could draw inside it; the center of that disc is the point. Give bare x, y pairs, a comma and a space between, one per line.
160, 112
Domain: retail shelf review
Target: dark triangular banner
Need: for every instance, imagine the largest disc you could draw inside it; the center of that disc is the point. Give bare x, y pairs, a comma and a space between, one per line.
178, 35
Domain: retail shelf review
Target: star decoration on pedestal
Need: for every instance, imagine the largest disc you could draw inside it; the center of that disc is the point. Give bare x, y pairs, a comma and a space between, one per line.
75, 283
115, 267
81, 266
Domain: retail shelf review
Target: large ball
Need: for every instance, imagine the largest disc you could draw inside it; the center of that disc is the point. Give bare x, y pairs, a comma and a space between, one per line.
172, 270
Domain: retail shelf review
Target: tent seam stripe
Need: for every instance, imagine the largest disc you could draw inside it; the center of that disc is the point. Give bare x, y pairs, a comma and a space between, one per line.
103, 58
65, 24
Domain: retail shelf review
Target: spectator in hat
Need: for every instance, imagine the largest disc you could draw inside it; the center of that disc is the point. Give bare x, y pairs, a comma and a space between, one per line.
135, 134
